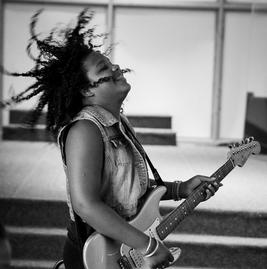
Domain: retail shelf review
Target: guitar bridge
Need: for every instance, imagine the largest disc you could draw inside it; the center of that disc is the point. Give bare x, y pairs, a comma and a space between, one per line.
124, 263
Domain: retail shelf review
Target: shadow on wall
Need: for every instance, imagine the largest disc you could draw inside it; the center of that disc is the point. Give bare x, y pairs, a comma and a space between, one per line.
5, 248
256, 120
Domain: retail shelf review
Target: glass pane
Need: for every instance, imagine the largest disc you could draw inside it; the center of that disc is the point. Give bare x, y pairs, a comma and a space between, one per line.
245, 68
171, 53
249, 1
159, 2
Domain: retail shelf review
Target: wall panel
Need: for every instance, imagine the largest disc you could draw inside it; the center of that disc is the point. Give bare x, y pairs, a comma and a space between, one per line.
245, 68
171, 53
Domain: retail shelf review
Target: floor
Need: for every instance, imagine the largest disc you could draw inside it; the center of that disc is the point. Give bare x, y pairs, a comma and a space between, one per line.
33, 170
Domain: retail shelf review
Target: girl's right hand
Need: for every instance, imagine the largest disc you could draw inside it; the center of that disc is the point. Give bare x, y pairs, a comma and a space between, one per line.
161, 259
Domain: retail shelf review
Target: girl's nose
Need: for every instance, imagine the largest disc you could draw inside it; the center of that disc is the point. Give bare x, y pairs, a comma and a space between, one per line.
115, 67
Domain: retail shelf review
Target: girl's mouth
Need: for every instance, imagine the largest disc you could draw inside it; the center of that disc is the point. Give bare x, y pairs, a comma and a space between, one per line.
119, 75
116, 77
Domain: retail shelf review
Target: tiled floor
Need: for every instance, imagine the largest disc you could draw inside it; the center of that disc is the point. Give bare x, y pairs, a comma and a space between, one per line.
33, 170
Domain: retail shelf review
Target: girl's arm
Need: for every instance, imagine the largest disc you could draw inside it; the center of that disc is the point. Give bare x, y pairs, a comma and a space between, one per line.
84, 158
185, 188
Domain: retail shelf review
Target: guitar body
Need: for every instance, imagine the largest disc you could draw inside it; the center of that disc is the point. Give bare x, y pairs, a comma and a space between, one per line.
100, 252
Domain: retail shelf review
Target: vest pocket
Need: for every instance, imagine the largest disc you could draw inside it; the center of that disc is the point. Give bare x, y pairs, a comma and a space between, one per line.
120, 150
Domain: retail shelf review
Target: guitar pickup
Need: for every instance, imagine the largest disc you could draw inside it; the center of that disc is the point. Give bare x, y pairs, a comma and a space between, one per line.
124, 263
137, 258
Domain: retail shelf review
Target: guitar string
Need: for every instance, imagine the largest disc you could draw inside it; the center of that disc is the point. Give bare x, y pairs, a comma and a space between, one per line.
190, 203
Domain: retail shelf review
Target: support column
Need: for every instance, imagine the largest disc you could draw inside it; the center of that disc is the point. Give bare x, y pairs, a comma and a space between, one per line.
110, 26
1, 63
218, 72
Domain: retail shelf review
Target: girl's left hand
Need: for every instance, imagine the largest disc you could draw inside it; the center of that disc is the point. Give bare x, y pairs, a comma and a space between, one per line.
187, 187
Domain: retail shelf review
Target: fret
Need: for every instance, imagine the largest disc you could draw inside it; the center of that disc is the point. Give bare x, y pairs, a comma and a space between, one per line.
223, 170
185, 208
171, 222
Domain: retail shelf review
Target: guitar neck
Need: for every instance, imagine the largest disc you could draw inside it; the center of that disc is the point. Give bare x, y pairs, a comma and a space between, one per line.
186, 208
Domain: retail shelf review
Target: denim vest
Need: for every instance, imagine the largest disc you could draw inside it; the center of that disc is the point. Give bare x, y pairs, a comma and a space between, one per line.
125, 174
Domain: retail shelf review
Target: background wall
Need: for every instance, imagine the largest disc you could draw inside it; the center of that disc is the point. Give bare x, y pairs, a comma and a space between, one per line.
244, 70
172, 52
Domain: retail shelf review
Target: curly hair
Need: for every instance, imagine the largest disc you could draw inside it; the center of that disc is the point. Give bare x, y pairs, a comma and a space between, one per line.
59, 72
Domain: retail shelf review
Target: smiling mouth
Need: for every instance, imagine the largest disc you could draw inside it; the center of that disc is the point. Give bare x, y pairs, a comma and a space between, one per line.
117, 77
120, 77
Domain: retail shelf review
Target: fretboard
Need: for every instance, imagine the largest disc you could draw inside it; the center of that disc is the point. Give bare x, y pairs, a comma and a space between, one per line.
185, 208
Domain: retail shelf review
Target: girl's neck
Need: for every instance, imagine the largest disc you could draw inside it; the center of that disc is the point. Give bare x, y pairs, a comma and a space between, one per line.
114, 109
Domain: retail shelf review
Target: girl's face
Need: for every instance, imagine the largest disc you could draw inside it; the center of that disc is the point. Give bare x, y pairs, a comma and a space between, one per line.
99, 66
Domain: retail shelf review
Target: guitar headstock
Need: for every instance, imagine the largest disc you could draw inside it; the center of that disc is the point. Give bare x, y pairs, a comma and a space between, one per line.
239, 152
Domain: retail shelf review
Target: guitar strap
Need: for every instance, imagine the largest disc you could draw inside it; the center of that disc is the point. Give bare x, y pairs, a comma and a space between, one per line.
81, 231
154, 171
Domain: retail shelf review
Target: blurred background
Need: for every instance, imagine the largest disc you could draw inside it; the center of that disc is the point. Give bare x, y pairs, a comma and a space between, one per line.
199, 82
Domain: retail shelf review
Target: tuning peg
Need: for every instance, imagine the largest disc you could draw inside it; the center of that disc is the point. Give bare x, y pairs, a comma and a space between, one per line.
251, 139
232, 145
247, 140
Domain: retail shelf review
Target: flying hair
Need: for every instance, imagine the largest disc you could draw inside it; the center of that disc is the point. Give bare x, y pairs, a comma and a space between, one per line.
58, 71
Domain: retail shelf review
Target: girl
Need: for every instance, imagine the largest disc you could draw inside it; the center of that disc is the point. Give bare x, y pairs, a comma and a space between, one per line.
105, 165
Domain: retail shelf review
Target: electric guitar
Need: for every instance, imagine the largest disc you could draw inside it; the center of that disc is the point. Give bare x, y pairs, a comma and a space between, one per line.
100, 252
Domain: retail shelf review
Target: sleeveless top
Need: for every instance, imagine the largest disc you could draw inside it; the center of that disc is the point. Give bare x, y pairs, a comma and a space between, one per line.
125, 175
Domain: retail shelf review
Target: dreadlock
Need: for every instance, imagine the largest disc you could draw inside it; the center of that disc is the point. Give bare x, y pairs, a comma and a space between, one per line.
58, 71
